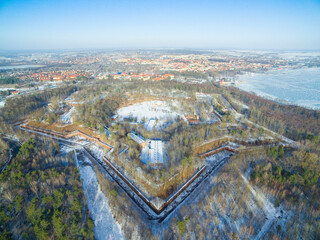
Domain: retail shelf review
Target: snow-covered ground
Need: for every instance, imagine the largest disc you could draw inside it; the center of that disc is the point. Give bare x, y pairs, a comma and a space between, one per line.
97, 151
204, 97
217, 157
2, 103
106, 227
271, 213
150, 125
67, 117
150, 110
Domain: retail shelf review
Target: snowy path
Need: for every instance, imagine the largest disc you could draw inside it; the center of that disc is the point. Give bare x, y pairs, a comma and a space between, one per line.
106, 227
239, 115
283, 138
271, 213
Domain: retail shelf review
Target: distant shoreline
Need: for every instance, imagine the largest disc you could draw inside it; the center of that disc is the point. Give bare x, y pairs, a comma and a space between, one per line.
19, 67
293, 86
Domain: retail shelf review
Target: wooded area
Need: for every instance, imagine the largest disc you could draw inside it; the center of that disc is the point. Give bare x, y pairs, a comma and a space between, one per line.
293, 121
42, 196
20, 106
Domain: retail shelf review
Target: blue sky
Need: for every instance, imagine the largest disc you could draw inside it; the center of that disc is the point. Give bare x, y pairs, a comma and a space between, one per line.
44, 24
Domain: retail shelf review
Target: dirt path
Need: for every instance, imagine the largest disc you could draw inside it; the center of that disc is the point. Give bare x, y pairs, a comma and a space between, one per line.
271, 213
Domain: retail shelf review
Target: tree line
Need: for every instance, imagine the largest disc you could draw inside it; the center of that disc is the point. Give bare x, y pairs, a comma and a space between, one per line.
20, 106
293, 121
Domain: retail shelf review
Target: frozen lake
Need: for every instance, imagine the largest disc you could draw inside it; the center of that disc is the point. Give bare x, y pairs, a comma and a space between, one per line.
19, 67
296, 86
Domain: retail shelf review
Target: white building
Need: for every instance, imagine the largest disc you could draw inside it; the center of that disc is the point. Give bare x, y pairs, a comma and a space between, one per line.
137, 138
155, 155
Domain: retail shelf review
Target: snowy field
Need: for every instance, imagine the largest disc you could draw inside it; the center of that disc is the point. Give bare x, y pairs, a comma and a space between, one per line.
150, 110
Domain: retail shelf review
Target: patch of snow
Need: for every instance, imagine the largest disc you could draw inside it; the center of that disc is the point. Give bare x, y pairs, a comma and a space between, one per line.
6, 89
67, 149
97, 151
271, 213
2, 104
217, 157
204, 97
150, 110
151, 124
67, 117
81, 140
240, 103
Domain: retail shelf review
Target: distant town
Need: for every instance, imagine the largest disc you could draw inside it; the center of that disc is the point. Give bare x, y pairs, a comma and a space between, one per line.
45, 70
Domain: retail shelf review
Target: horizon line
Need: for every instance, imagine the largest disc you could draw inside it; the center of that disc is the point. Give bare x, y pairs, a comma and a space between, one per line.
160, 48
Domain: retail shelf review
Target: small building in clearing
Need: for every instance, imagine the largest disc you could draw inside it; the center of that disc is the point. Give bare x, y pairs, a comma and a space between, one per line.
192, 118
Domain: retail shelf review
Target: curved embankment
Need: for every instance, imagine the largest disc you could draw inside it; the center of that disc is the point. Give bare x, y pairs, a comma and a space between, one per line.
69, 135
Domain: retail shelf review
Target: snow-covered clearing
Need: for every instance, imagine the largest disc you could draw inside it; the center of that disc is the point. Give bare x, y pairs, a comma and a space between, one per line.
150, 110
